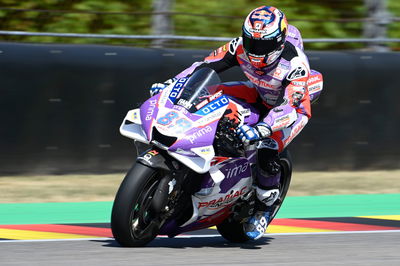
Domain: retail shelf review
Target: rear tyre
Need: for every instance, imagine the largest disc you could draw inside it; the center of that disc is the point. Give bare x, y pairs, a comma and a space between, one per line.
233, 230
133, 224
286, 177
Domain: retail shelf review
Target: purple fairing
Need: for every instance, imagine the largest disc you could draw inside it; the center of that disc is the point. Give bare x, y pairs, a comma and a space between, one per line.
171, 227
197, 137
189, 70
234, 172
207, 182
148, 111
251, 155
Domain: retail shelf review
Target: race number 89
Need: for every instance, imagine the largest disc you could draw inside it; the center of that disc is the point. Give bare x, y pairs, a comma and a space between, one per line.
167, 119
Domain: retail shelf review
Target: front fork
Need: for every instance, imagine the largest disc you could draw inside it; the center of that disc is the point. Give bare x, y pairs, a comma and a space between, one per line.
170, 186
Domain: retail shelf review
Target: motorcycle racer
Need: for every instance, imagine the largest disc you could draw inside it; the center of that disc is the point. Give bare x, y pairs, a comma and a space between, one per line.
270, 54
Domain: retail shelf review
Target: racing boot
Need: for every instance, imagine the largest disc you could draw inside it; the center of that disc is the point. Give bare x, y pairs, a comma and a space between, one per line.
256, 226
268, 177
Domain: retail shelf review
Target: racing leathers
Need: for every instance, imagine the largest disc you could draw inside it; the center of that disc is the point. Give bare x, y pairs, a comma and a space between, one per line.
280, 89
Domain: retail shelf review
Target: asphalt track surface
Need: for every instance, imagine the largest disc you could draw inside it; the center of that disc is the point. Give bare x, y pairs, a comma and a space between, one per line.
339, 248
337, 230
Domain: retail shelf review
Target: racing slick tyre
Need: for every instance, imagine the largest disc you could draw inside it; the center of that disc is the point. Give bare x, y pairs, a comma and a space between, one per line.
233, 231
133, 223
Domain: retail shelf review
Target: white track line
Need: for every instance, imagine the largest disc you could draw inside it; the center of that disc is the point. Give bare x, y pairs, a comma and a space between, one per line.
333, 233
200, 236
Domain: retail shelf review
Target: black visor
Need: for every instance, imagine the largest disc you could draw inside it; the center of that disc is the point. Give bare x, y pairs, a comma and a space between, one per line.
261, 47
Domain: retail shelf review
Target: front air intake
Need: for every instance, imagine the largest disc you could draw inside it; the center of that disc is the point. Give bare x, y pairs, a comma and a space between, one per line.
165, 140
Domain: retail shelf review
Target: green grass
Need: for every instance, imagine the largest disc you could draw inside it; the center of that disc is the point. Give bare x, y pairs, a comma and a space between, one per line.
76, 188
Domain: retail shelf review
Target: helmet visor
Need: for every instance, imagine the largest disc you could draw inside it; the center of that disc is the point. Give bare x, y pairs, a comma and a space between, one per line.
260, 47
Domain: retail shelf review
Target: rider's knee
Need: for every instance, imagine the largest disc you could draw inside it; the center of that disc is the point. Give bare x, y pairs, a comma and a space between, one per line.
268, 161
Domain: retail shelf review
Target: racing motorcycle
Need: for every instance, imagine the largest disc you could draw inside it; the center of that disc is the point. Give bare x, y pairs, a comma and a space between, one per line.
196, 173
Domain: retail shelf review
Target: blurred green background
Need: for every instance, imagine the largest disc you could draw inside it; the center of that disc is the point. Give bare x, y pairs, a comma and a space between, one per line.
315, 19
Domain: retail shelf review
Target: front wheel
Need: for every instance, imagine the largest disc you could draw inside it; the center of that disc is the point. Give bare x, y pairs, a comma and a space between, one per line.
233, 231
133, 223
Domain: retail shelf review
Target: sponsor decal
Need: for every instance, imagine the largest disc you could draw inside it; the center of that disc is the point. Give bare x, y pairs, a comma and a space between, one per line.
262, 83
233, 45
292, 35
134, 116
199, 133
314, 88
214, 105
150, 110
281, 122
299, 83
295, 131
222, 201
245, 112
177, 89
185, 152
314, 79
209, 118
279, 73
215, 96
219, 50
200, 105
148, 156
283, 66
236, 170
298, 72
184, 103
203, 151
258, 31
261, 15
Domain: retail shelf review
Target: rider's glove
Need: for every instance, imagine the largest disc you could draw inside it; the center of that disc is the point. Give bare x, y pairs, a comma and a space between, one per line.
156, 88
248, 134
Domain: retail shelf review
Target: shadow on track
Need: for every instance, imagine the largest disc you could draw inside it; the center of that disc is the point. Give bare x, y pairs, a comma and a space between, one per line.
197, 242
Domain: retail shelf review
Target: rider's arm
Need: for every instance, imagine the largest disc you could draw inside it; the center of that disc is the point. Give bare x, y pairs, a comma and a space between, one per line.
219, 60
296, 101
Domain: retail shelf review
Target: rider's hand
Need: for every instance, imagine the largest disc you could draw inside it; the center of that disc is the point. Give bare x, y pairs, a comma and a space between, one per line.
156, 88
250, 134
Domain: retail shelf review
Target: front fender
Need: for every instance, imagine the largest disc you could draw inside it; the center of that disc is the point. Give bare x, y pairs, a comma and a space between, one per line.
157, 159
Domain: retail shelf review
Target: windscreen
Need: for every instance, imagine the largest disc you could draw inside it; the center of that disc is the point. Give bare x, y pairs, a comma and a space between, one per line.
199, 87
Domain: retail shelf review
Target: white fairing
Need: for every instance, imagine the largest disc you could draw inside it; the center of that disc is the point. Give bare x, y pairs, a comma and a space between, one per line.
131, 127
200, 163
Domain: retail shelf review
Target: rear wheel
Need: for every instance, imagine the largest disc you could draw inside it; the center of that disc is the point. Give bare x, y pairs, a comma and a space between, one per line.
133, 222
233, 231
286, 176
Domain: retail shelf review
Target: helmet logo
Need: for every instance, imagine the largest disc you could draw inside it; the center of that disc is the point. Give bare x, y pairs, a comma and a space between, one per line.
261, 14
258, 25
